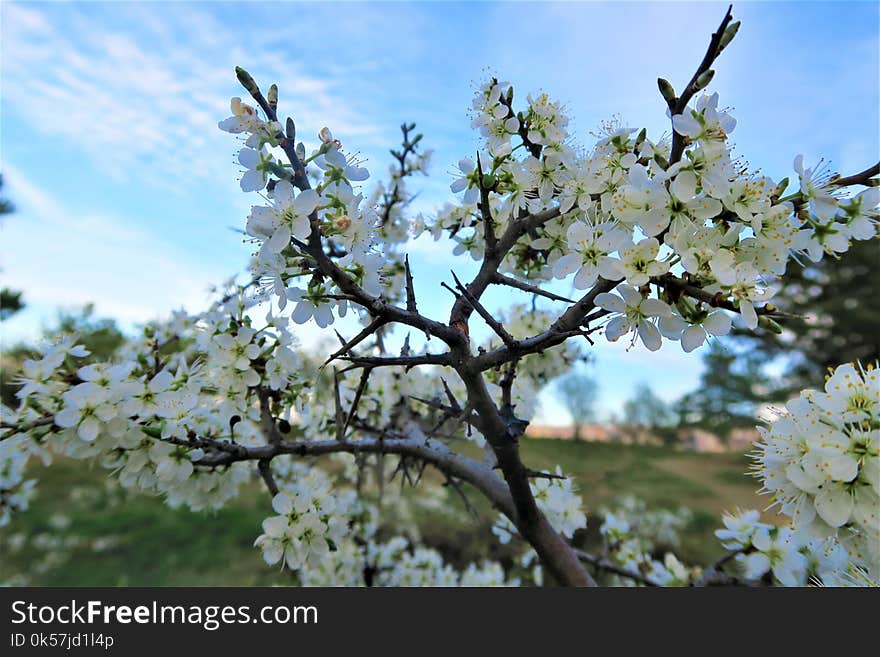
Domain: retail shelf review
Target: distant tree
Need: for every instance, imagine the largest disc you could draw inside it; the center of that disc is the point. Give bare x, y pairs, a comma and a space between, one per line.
6, 206
578, 392
731, 388
10, 303
838, 321
10, 300
646, 412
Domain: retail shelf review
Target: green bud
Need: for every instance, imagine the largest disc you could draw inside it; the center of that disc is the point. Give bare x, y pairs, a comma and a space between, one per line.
246, 80
704, 79
770, 324
781, 187
662, 161
290, 129
273, 97
153, 432
643, 134
728, 35
301, 151
488, 181
666, 90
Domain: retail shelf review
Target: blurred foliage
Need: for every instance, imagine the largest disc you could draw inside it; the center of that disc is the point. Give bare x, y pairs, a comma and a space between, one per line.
10, 303
10, 300
732, 387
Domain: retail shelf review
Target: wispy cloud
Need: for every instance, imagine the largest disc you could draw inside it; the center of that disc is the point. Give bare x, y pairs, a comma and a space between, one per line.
59, 258
140, 92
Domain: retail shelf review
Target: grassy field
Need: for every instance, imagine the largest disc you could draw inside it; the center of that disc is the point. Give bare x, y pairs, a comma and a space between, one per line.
83, 530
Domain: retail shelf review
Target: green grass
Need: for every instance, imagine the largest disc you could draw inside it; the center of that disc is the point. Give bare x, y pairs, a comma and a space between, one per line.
83, 530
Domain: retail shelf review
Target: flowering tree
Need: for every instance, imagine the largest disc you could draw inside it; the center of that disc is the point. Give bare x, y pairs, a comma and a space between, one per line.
668, 239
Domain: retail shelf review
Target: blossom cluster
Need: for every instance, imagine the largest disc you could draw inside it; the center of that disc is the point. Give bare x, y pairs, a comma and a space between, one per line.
362, 233
788, 555
557, 498
820, 460
148, 415
623, 212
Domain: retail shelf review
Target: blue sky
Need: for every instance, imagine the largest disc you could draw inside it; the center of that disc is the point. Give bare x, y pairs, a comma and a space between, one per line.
126, 191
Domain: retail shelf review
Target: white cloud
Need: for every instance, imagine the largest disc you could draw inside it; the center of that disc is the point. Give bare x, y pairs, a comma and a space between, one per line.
60, 258
140, 92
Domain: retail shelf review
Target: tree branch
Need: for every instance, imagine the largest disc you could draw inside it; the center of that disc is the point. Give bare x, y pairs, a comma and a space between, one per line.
678, 105
501, 279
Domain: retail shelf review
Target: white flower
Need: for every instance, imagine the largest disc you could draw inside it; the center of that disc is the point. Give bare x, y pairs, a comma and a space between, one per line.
637, 263
740, 527
255, 161
468, 181
589, 246
741, 281
705, 124
636, 313
860, 213
698, 327
309, 306
815, 191
778, 551
86, 407
288, 216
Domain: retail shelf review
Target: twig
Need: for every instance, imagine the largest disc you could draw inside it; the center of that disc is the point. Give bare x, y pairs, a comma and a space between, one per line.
678, 105
265, 468
410, 289
681, 286
604, 564
365, 377
495, 325
501, 279
371, 328
862, 178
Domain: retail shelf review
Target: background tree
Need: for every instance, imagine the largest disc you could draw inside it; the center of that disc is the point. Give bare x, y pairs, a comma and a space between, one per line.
578, 393
837, 322
645, 413
732, 387
10, 300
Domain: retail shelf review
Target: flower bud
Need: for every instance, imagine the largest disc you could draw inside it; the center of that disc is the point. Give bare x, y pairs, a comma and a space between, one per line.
728, 35
770, 324
666, 90
704, 79
246, 80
